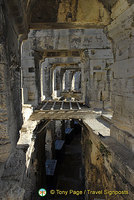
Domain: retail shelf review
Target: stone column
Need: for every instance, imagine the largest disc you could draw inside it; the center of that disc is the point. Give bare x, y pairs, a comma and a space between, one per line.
70, 79
29, 69
42, 83
53, 83
58, 82
37, 81
47, 83
66, 80
63, 79
76, 81
73, 82
83, 81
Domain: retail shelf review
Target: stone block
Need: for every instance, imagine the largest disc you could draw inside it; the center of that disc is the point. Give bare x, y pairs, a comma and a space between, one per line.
123, 69
122, 23
123, 87
27, 62
123, 137
97, 64
97, 54
71, 39
119, 8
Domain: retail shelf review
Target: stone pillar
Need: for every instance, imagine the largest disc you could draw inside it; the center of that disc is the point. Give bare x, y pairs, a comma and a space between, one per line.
30, 90
54, 92
63, 81
66, 80
58, 82
58, 129
121, 31
70, 79
48, 143
83, 81
77, 85
37, 80
76, 81
85, 67
42, 83
47, 83
51, 82
73, 82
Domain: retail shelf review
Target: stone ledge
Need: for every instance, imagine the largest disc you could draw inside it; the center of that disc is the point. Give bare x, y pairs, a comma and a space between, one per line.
107, 117
123, 137
120, 157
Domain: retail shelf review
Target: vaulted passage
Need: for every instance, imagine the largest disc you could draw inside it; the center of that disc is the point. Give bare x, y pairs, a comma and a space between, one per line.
66, 99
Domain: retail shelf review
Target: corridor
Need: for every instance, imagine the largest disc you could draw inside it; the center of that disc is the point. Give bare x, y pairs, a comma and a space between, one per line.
61, 61
69, 172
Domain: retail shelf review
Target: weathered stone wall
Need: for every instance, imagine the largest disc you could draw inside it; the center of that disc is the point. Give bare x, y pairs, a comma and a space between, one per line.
68, 39
99, 82
92, 12
95, 64
121, 31
108, 165
30, 89
4, 140
10, 92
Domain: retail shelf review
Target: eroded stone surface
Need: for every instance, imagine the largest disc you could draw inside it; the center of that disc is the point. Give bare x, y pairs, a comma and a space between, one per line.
106, 63
109, 161
70, 11
121, 32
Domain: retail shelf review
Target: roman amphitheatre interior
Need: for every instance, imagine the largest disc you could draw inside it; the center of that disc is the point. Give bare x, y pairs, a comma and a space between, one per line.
67, 99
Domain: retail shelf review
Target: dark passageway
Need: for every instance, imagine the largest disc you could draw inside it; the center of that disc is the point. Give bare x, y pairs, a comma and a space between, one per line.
69, 172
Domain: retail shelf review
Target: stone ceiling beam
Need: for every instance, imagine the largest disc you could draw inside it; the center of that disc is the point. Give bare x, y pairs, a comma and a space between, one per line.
41, 26
66, 64
51, 13
61, 53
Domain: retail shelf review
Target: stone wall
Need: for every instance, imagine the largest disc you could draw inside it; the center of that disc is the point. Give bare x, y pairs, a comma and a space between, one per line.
53, 12
30, 89
10, 92
4, 140
121, 31
94, 63
100, 79
108, 165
